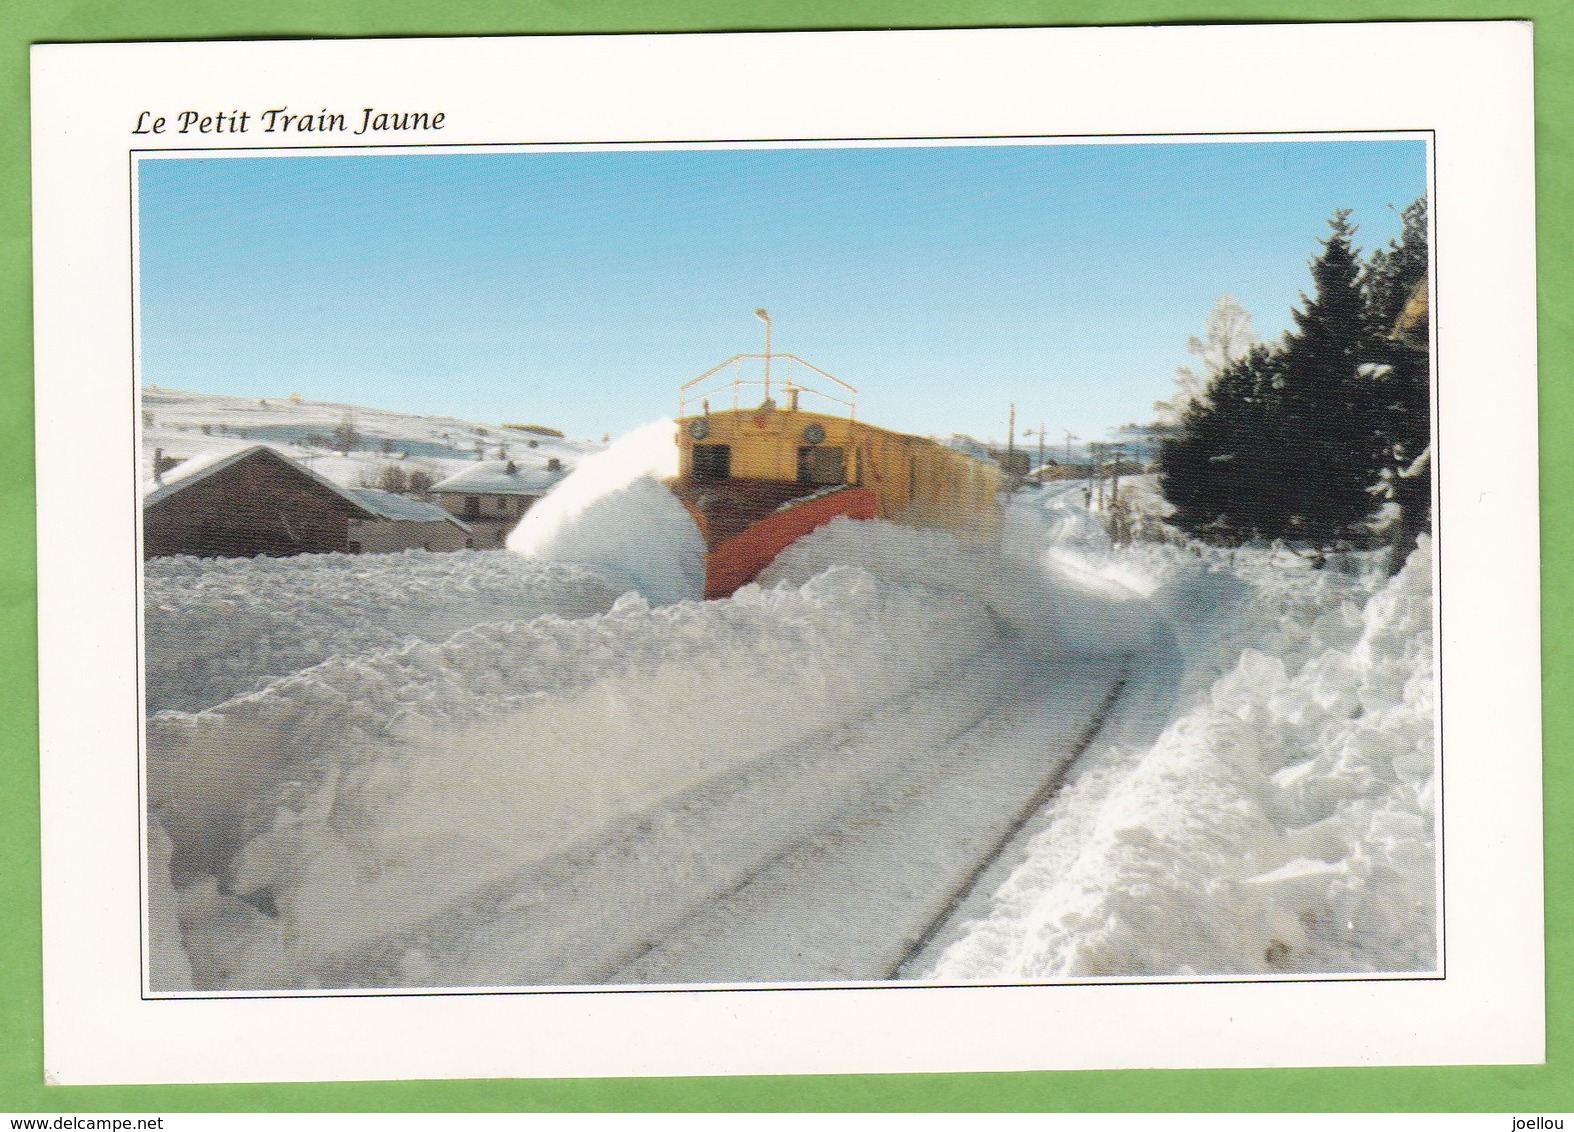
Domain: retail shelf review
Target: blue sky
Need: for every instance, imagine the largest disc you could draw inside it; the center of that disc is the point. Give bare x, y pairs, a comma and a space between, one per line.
580, 289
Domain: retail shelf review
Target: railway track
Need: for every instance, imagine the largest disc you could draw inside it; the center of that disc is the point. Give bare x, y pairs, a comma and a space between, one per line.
863, 897
838, 858
1026, 813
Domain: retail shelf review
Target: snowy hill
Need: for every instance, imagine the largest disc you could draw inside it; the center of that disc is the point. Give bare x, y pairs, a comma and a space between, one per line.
183, 426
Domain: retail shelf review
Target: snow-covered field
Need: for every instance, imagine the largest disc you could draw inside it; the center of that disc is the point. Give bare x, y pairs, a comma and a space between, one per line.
892, 757
187, 426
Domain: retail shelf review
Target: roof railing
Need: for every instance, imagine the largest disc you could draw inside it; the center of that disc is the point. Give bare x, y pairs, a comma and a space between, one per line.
731, 375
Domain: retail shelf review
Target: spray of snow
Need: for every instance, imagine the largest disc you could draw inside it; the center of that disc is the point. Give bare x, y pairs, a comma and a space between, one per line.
1055, 612
615, 514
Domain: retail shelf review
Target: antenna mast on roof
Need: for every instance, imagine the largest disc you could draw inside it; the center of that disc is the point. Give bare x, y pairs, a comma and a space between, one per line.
764, 316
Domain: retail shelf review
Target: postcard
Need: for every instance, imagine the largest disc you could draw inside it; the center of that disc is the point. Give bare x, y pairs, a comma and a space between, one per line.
785, 553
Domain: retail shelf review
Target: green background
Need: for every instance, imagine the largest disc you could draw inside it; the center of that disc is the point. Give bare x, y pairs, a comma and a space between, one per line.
1517, 1089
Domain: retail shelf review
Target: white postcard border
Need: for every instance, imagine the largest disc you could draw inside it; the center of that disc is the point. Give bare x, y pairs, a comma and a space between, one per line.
1469, 84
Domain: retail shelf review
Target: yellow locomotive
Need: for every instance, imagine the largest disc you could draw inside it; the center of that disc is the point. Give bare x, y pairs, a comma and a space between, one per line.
758, 478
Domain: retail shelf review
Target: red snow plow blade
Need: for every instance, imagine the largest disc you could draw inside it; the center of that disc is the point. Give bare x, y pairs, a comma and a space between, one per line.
747, 523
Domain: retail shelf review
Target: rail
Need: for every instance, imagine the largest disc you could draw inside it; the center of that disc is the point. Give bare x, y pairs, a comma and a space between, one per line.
730, 374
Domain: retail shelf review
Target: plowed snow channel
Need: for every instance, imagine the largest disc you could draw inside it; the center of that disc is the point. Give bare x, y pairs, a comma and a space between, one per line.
851, 771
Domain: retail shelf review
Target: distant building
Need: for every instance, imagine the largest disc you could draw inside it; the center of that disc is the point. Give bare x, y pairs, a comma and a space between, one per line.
401, 523
258, 502
1139, 442
493, 496
1015, 462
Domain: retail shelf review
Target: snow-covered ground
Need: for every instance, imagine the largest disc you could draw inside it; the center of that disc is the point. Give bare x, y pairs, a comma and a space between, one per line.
220, 628
1283, 823
891, 757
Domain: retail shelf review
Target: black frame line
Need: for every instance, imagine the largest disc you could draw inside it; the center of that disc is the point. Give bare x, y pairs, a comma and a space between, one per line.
770, 142
1434, 357
342, 149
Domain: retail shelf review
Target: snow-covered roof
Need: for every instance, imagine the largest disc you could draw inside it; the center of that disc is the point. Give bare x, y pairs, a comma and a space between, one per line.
369, 503
387, 505
199, 468
193, 469
494, 477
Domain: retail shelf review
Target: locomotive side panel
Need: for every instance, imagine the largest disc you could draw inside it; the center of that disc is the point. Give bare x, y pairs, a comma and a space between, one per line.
915, 481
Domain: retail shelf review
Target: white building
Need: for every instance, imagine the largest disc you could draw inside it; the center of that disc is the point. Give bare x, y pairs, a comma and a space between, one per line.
492, 496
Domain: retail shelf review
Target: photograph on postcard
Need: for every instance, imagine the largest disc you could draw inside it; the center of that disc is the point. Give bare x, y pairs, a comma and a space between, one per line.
933, 561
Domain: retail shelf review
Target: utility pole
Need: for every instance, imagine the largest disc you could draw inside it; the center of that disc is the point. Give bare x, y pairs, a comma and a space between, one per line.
1098, 472
1041, 434
1114, 491
1011, 435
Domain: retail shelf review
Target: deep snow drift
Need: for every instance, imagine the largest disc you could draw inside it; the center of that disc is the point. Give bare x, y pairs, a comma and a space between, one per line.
366, 794
1284, 823
219, 628
1259, 799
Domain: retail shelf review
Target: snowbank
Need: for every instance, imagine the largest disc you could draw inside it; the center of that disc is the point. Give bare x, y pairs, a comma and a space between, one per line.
169, 966
362, 796
219, 628
615, 514
1285, 824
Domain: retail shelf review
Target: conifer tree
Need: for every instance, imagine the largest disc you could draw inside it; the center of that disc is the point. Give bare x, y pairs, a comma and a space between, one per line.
1290, 441
1215, 468
345, 437
1397, 295
1328, 443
